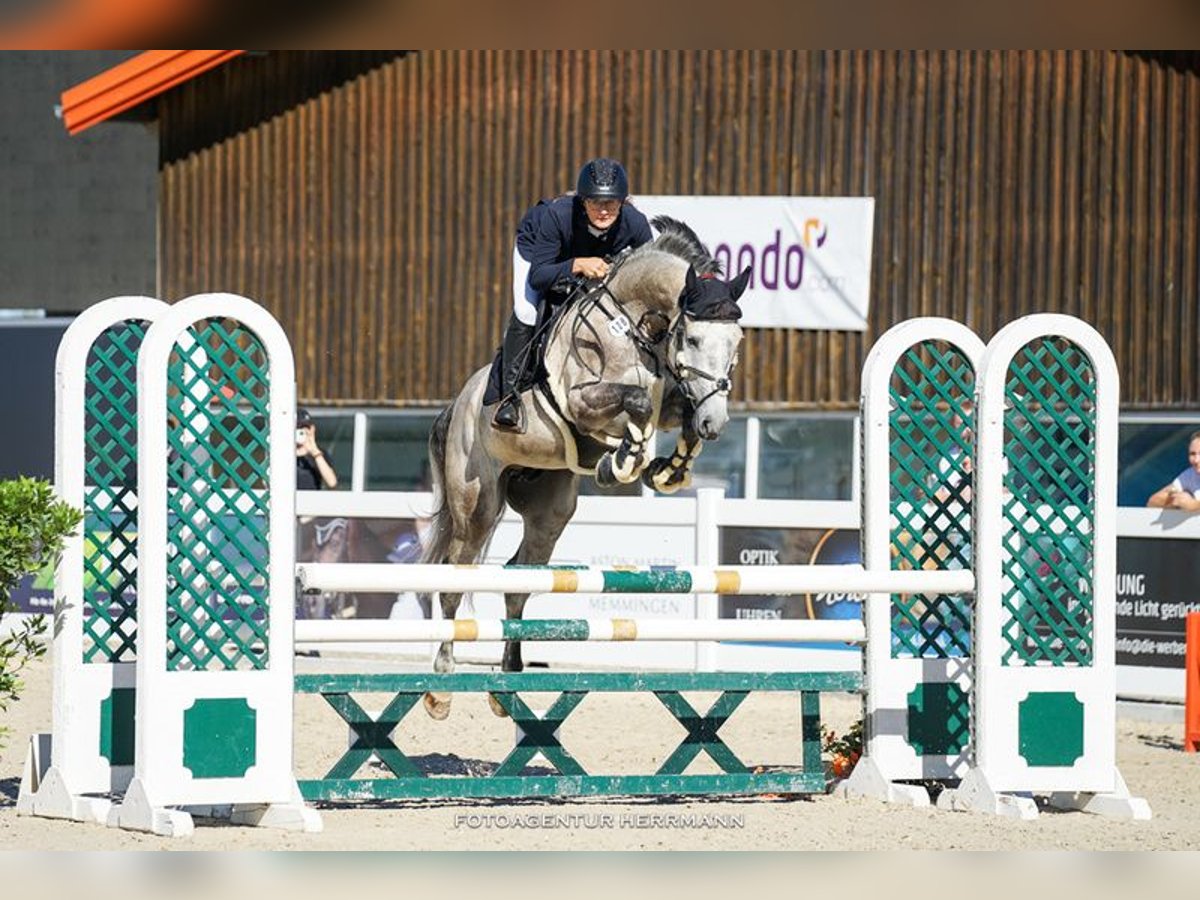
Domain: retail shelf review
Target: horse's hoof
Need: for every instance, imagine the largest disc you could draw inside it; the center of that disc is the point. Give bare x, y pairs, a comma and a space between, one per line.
661, 476
437, 705
496, 707
670, 487
623, 460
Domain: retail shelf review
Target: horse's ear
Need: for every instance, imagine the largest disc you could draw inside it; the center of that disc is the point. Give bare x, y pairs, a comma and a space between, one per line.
691, 284
737, 287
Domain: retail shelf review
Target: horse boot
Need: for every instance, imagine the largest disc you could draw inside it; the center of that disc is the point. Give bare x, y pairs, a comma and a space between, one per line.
510, 414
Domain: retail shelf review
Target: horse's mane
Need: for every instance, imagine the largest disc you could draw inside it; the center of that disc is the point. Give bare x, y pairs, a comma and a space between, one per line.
652, 273
678, 239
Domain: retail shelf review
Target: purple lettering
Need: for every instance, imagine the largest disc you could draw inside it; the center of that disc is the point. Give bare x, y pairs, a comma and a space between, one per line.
798, 251
769, 273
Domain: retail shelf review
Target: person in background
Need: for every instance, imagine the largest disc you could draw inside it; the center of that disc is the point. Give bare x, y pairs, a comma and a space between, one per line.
313, 470
557, 240
1184, 492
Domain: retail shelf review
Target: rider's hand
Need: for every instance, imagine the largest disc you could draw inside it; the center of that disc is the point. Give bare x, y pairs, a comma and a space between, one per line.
308, 446
589, 267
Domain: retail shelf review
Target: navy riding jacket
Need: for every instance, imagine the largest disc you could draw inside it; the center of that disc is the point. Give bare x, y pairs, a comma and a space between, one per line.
554, 232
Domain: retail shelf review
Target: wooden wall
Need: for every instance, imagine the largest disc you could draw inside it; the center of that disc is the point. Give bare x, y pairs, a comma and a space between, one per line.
369, 199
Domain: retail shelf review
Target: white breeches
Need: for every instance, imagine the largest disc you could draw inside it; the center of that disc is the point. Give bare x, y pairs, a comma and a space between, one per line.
525, 299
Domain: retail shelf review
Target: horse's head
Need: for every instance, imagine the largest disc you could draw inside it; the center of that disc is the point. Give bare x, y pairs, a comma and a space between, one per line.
704, 347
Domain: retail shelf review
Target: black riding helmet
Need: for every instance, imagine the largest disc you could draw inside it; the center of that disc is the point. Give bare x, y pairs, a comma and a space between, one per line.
603, 179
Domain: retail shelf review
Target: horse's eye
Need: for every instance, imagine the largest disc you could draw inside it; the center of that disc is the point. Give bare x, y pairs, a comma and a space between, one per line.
693, 342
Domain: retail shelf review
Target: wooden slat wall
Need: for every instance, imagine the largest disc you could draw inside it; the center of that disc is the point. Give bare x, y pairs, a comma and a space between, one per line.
369, 200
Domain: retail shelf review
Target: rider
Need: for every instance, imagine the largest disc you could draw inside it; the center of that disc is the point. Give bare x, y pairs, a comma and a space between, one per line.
557, 240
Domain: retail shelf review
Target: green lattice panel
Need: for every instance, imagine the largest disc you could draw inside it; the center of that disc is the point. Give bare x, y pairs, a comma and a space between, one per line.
932, 423
1049, 438
110, 495
218, 499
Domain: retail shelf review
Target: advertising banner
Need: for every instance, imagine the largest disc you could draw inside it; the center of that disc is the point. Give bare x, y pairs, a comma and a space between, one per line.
810, 257
1158, 584
34, 594
790, 546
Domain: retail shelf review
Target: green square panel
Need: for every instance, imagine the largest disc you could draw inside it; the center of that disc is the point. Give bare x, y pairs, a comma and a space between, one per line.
219, 737
117, 726
939, 719
1050, 729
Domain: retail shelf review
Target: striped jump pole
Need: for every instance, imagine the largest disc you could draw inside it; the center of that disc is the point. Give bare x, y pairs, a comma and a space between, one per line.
320, 631
788, 579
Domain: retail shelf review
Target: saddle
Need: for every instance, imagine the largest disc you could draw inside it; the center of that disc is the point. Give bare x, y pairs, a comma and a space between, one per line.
533, 373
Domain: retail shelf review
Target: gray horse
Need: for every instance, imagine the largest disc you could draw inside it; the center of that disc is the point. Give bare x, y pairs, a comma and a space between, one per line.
653, 347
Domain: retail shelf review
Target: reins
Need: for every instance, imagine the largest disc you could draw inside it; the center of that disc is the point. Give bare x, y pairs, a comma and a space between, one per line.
648, 340
620, 324
648, 333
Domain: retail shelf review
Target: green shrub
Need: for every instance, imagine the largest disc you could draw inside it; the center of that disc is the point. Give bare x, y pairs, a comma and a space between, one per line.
33, 525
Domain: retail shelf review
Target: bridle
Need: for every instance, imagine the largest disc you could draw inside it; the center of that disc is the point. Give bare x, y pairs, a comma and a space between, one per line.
686, 375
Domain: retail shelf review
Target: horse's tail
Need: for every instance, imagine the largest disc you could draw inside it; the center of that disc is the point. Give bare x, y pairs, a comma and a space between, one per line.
441, 527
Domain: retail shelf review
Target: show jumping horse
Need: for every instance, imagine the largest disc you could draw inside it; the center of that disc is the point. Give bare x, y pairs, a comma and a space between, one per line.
652, 347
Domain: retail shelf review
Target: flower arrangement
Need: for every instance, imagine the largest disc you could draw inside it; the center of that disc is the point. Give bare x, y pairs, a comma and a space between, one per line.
843, 751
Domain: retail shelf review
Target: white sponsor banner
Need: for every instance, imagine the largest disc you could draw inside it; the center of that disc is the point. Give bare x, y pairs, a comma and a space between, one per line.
810, 256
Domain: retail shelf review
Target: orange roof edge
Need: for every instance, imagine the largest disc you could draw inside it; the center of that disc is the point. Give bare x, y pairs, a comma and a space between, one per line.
133, 82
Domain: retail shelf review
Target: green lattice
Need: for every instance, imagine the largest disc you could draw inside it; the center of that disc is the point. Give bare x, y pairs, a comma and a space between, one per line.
932, 423
110, 495
219, 499
1049, 440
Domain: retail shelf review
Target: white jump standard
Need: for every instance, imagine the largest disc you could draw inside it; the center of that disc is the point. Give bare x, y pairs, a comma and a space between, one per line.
989, 564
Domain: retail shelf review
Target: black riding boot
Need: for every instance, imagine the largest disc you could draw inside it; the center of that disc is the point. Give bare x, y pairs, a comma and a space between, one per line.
510, 416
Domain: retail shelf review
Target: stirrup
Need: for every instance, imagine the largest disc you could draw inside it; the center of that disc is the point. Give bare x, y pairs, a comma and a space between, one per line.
510, 414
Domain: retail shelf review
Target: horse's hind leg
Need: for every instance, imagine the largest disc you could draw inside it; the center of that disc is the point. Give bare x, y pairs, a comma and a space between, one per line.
438, 705
464, 550
545, 503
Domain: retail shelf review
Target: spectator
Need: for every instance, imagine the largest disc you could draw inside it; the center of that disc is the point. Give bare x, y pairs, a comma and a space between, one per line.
313, 471
1184, 492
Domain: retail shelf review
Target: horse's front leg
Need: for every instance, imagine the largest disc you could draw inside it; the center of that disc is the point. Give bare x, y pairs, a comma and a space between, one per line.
594, 406
668, 474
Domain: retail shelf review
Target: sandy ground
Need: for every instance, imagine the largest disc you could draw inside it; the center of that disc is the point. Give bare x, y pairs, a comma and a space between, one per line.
625, 733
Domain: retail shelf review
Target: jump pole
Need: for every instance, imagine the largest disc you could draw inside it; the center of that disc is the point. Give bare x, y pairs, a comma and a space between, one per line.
321, 631
786, 579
